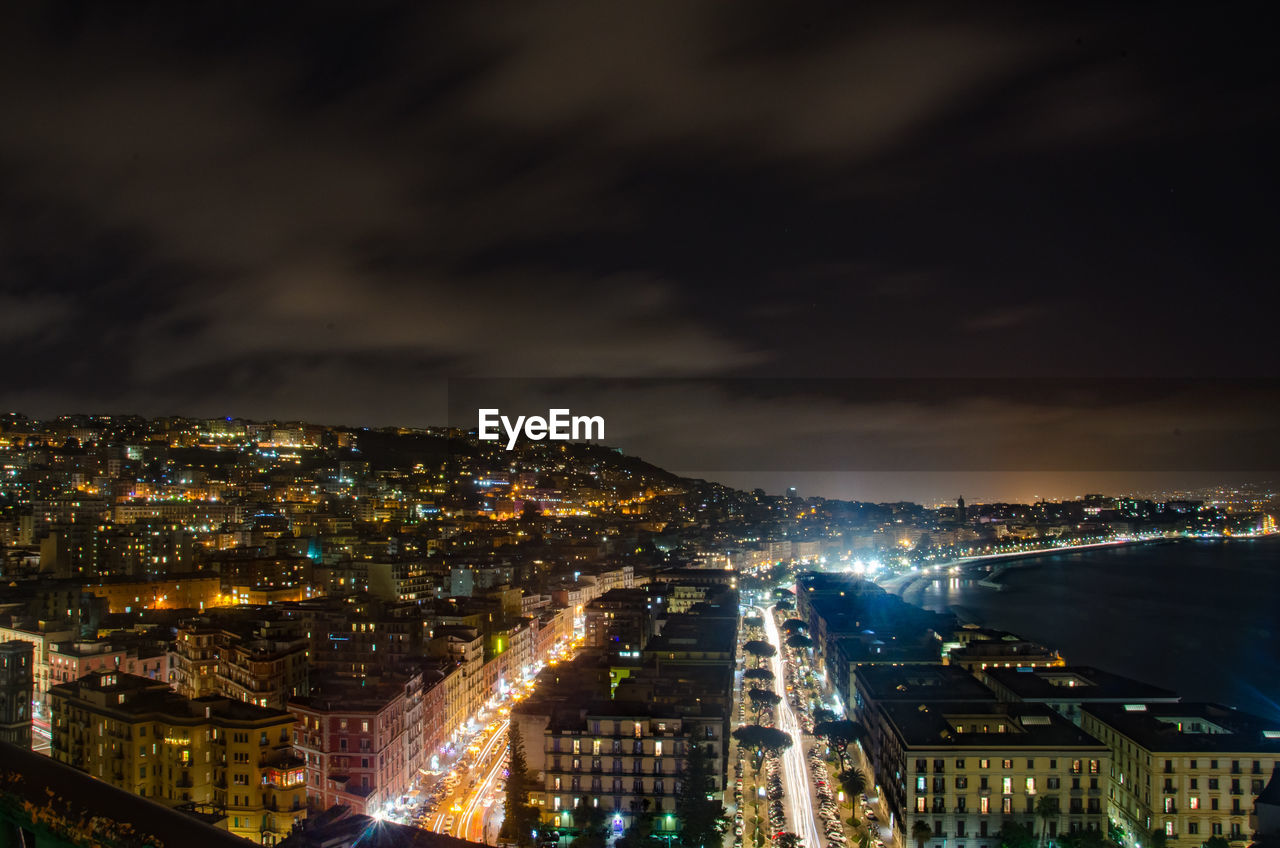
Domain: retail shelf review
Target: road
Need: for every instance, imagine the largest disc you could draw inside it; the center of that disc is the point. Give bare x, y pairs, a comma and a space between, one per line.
40, 736
478, 781
465, 805
476, 820
795, 776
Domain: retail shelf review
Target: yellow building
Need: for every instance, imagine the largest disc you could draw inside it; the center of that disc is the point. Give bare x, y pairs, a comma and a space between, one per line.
1188, 770
174, 593
223, 756
963, 768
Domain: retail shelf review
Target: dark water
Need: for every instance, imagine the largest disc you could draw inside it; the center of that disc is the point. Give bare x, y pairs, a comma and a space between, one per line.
1200, 617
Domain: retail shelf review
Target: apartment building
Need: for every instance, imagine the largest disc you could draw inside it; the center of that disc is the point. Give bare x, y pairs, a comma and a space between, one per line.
614, 755
255, 660
43, 639
1189, 770
16, 683
352, 738
70, 661
981, 648
621, 620
963, 768
233, 758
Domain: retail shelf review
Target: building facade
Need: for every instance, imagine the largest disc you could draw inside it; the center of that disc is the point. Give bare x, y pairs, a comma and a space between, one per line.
1187, 770
17, 666
138, 735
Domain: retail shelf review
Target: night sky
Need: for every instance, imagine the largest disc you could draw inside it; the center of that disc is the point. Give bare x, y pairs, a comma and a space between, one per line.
767, 242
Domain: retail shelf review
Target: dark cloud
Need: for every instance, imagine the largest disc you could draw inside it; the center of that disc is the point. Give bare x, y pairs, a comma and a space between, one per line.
322, 211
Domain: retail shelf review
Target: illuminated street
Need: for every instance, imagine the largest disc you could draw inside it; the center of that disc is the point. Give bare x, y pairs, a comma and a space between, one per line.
798, 795
472, 808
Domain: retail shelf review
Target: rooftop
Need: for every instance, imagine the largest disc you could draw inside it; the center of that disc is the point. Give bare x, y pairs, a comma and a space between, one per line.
984, 725
1076, 683
920, 683
1190, 727
140, 698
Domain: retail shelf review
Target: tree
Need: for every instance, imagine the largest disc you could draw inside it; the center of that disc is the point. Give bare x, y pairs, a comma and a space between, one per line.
784, 606
761, 741
1217, 842
921, 832
822, 714
1014, 834
794, 625
640, 834
702, 818
853, 781
754, 622
777, 742
787, 839
590, 822
1087, 839
764, 675
839, 734
781, 592
799, 641
1046, 811
520, 817
761, 698
759, 649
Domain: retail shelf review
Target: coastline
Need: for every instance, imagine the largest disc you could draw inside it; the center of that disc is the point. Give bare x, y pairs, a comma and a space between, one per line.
902, 584
1145, 613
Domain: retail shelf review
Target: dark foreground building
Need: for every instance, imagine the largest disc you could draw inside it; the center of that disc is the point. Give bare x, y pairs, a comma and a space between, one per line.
49, 805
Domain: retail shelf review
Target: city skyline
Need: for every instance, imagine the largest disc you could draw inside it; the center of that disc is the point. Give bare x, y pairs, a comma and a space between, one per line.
928, 488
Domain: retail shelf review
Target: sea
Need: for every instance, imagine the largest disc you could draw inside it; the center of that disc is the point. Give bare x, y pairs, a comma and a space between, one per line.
1198, 616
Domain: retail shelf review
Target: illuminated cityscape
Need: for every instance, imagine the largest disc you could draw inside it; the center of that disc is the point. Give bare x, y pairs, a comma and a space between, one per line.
266, 624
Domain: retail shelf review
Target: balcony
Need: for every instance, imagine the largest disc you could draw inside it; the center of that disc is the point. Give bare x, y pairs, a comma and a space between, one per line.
1170, 790
1236, 790
1095, 791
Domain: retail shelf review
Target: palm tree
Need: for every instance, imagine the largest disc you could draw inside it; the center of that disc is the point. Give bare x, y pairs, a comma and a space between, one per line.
921, 832
854, 783
1046, 811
